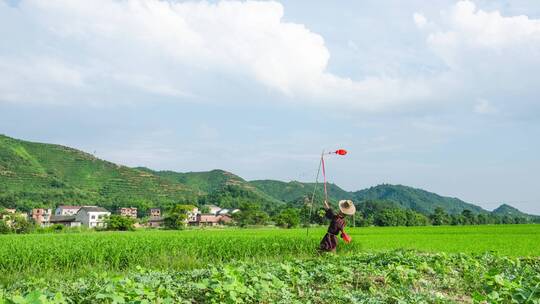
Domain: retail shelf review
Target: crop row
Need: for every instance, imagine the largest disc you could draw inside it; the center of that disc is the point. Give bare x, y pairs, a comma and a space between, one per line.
390, 277
75, 253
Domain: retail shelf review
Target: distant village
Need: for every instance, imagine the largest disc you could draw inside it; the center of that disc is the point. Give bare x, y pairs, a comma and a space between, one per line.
95, 217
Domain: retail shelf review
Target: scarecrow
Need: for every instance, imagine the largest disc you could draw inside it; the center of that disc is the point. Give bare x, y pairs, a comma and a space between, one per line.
337, 221
337, 224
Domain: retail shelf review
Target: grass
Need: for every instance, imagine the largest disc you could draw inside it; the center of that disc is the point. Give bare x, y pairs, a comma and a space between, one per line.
388, 277
509, 240
382, 265
22, 255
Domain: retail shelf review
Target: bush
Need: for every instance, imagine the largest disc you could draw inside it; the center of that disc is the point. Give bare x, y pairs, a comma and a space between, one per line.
288, 218
177, 218
4, 227
119, 223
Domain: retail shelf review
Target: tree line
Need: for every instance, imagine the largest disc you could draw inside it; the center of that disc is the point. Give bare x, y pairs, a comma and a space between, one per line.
293, 214
370, 213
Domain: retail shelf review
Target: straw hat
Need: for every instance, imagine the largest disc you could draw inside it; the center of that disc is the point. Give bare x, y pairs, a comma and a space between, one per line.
347, 207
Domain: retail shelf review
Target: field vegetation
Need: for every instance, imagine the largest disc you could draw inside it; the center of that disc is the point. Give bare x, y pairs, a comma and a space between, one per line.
433, 264
390, 277
20, 255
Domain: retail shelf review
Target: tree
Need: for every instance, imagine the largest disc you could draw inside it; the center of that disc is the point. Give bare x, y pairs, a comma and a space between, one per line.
250, 214
416, 219
177, 217
120, 223
4, 227
391, 217
21, 225
469, 218
439, 217
205, 209
482, 219
507, 219
457, 219
288, 218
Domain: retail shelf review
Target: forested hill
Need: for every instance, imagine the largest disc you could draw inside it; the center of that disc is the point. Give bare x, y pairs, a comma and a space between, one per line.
46, 175
406, 197
297, 191
221, 188
507, 210
416, 199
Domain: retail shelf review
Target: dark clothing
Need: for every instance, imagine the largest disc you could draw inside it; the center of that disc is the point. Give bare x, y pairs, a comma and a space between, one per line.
337, 223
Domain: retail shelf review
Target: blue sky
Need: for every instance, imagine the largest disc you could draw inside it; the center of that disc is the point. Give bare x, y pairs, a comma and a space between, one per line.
441, 95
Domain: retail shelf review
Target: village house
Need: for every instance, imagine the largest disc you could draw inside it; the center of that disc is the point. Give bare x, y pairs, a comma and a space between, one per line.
212, 220
155, 212
67, 210
41, 216
195, 217
216, 210
213, 209
128, 212
93, 217
223, 211
66, 220
192, 215
155, 220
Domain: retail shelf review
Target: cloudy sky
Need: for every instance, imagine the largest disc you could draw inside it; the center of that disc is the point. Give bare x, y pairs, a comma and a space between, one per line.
441, 95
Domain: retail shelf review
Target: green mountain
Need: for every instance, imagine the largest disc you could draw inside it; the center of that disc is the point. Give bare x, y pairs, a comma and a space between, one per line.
416, 199
507, 210
204, 182
36, 174
221, 188
406, 197
296, 191
46, 175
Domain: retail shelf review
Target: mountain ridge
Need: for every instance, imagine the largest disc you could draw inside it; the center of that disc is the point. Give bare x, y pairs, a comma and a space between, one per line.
36, 174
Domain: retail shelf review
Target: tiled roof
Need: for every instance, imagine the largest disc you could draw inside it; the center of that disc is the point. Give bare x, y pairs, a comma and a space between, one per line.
94, 209
209, 218
62, 218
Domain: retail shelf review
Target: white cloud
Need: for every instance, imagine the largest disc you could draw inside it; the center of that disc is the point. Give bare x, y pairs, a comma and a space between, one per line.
469, 28
111, 51
28, 77
419, 20
489, 55
483, 106
129, 41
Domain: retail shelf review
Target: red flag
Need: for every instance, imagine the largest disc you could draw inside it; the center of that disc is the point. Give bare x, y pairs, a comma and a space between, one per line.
341, 152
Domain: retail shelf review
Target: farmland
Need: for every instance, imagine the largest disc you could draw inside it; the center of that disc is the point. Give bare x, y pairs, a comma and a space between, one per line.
448, 260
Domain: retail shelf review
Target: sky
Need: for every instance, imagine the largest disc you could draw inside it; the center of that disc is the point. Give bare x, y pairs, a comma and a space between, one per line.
439, 95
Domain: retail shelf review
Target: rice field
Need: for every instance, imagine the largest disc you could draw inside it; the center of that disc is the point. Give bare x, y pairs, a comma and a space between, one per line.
22, 255
448, 264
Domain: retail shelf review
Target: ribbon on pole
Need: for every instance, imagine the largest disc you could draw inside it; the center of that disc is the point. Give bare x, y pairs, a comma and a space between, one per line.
313, 195
340, 152
324, 178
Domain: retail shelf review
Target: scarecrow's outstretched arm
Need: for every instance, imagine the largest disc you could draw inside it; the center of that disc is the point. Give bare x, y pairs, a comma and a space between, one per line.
326, 206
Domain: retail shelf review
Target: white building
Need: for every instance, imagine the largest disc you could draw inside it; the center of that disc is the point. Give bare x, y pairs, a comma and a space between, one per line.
213, 209
41, 216
92, 216
192, 215
223, 211
67, 210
